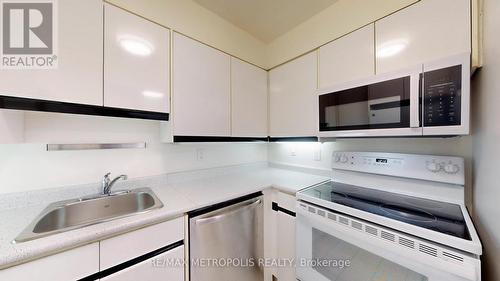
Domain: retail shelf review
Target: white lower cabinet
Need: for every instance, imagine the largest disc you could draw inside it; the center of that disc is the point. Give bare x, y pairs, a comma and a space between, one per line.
280, 235
119, 249
70, 265
154, 269
152, 253
285, 245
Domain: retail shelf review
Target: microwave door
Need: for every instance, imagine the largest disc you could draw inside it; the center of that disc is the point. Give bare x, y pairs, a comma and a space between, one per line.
387, 105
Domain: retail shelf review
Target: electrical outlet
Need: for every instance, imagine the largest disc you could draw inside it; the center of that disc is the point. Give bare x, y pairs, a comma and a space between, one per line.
200, 154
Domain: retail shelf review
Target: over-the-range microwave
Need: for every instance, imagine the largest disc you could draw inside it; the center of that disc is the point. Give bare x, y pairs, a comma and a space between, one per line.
431, 99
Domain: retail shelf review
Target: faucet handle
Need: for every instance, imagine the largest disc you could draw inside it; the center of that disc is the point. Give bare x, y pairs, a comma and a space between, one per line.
105, 181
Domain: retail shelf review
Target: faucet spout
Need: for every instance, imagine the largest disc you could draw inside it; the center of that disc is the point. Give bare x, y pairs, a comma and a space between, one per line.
107, 184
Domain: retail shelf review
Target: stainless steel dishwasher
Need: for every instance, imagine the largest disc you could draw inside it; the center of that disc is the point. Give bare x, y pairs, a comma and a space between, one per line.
226, 241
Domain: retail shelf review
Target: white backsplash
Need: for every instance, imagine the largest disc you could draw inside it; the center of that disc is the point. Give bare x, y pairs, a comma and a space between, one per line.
28, 166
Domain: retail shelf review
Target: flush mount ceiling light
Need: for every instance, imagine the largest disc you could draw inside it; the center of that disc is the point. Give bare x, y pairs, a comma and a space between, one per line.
391, 48
152, 94
136, 46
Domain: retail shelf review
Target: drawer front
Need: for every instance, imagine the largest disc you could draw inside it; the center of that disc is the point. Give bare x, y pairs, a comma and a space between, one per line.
70, 265
125, 247
166, 266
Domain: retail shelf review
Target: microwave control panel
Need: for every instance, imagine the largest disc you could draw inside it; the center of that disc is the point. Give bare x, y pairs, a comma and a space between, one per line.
442, 96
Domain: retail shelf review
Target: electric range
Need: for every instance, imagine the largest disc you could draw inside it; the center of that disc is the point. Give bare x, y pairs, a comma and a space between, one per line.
403, 210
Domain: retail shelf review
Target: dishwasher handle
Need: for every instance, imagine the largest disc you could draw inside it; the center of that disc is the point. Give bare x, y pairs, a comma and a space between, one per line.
220, 217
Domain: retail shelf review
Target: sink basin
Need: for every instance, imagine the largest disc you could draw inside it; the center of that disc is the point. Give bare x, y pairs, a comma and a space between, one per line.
71, 214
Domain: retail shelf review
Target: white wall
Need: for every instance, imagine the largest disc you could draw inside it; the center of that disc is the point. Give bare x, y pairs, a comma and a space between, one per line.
29, 166
486, 148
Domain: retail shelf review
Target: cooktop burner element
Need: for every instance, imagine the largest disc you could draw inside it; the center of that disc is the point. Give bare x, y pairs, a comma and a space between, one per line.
446, 218
407, 214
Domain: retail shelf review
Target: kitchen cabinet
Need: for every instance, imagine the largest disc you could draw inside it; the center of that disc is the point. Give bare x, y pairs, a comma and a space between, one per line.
78, 76
152, 253
69, 265
201, 89
154, 269
348, 58
292, 97
280, 234
118, 249
425, 31
136, 62
248, 100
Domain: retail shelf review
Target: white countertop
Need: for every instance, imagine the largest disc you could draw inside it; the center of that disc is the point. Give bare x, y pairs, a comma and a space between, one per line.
179, 195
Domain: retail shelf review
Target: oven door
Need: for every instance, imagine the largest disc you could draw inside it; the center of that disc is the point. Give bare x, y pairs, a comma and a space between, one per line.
336, 247
384, 105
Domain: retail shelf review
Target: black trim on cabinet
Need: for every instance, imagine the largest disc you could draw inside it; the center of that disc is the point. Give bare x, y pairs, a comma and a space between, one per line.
132, 262
17, 103
218, 139
277, 208
224, 204
294, 139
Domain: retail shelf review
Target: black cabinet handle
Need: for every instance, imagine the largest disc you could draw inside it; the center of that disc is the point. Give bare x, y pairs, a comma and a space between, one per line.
277, 208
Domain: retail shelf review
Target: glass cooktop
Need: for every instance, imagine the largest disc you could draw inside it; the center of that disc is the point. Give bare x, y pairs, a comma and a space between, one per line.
438, 216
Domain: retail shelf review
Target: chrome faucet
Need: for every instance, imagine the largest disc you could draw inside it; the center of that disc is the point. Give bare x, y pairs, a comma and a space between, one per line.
107, 184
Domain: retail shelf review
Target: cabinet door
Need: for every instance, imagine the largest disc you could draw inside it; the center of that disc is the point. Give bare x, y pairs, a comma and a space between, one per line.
285, 243
136, 62
292, 97
348, 58
248, 100
78, 77
201, 89
117, 250
425, 31
70, 265
166, 266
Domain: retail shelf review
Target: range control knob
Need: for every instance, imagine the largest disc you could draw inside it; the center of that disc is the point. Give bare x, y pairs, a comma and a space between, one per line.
433, 167
451, 168
343, 159
336, 158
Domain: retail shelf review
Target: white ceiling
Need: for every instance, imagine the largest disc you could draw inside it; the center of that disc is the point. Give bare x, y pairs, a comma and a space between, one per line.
266, 19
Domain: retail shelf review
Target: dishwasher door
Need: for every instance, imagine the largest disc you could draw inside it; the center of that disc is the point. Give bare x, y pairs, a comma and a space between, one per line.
226, 244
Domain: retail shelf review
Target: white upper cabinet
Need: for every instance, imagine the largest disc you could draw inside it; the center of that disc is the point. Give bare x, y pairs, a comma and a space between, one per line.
292, 97
78, 45
425, 31
201, 89
248, 100
348, 58
136, 62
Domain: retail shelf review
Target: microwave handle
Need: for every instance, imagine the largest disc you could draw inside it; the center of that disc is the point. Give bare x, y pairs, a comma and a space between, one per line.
415, 100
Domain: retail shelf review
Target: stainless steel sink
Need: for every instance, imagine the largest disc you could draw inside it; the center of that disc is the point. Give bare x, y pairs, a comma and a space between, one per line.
71, 214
